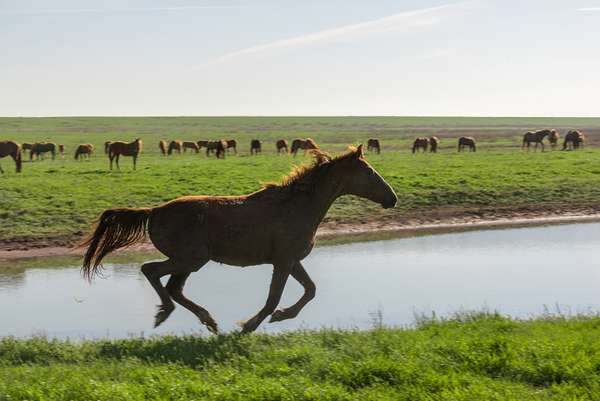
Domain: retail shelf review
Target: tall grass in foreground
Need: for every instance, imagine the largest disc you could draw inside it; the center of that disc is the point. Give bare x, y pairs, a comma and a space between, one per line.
478, 356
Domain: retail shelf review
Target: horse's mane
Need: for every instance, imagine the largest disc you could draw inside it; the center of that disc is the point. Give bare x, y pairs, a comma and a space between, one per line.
303, 178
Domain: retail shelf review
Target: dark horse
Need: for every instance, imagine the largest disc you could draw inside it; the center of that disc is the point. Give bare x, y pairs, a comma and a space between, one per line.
536, 137
433, 144
467, 141
232, 144
190, 145
573, 140
282, 146
306, 144
192, 230
85, 149
219, 147
255, 147
175, 146
118, 148
12, 149
39, 148
374, 145
420, 143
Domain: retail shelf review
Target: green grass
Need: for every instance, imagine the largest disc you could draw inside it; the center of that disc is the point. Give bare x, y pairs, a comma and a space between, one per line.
57, 199
470, 357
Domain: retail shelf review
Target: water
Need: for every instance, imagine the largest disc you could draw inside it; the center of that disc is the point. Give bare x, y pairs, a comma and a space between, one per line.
516, 271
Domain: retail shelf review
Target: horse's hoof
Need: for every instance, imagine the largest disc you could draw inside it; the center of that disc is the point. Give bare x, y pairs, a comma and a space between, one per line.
162, 315
211, 325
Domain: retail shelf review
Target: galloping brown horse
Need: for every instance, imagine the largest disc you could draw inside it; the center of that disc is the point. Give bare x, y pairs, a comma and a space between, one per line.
232, 144
373, 144
306, 144
573, 140
190, 145
282, 146
255, 147
39, 148
219, 147
175, 146
12, 149
553, 138
85, 149
118, 148
467, 141
420, 143
162, 145
193, 230
536, 137
433, 144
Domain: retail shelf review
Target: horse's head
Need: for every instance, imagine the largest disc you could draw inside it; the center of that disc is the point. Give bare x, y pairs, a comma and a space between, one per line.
362, 180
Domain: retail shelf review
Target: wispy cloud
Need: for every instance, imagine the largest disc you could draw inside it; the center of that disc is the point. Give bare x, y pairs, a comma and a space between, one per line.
51, 11
589, 9
407, 20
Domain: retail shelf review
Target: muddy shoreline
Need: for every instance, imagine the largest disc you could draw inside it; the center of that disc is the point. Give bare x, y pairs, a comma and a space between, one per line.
332, 231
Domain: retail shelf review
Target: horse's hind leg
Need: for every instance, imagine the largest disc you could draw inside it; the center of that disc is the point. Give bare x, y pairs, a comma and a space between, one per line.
134, 161
175, 289
303, 278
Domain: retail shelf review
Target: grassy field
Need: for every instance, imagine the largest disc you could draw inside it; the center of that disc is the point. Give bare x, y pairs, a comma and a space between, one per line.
470, 357
52, 202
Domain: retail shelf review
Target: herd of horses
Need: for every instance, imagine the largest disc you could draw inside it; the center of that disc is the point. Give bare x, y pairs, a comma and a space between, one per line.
115, 149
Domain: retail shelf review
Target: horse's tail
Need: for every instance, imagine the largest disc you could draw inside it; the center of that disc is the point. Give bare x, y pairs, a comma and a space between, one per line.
115, 228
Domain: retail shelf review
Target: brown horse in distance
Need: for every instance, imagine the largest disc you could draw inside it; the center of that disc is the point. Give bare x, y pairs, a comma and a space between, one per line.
536, 137
232, 144
162, 145
175, 146
190, 145
12, 149
553, 138
433, 144
202, 144
467, 141
374, 145
282, 146
85, 149
193, 230
39, 148
219, 147
118, 148
573, 140
255, 147
61, 149
420, 143
306, 144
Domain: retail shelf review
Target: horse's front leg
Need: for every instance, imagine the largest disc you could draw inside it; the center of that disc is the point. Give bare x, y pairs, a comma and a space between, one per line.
303, 278
281, 273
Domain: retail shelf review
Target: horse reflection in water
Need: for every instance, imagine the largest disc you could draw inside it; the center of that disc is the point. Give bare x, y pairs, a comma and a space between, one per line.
192, 230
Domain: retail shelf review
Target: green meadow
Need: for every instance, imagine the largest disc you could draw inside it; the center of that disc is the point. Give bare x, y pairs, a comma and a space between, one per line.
478, 356
53, 201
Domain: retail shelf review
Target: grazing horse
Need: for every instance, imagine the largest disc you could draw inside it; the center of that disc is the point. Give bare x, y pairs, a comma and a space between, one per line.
39, 148
468, 141
192, 230
553, 138
27, 146
202, 144
282, 146
190, 145
374, 145
61, 149
162, 145
219, 147
573, 140
175, 146
85, 149
12, 149
420, 143
118, 148
433, 144
306, 144
255, 147
232, 144
537, 137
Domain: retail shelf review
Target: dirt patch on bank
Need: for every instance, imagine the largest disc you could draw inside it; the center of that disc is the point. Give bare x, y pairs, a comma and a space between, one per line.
431, 221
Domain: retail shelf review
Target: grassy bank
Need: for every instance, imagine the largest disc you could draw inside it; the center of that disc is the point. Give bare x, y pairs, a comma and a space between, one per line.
55, 200
471, 357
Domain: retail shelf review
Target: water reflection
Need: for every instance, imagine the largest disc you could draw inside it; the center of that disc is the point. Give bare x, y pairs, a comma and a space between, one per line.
516, 271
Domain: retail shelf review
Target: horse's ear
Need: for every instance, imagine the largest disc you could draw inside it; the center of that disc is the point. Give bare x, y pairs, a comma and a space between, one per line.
359, 151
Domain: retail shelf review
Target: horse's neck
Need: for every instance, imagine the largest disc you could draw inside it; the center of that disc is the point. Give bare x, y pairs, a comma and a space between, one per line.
327, 190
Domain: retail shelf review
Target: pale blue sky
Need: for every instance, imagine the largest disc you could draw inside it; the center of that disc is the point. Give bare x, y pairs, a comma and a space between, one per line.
311, 57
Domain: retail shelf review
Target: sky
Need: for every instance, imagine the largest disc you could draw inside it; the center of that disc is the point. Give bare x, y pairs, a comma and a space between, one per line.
310, 57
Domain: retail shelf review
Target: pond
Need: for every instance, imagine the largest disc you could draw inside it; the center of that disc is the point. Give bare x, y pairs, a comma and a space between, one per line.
519, 272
